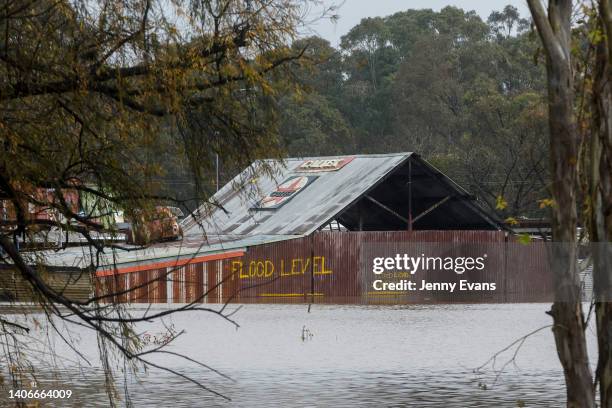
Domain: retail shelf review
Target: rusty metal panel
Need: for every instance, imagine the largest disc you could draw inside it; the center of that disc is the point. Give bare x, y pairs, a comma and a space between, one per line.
115, 287
178, 284
230, 283
157, 285
330, 267
193, 283
326, 267
340, 281
138, 282
212, 286
528, 272
275, 273
147, 286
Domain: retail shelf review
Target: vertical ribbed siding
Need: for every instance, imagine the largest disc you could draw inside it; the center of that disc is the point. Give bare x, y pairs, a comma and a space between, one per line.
328, 267
157, 289
194, 285
274, 273
74, 285
297, 277
212, 287
528, 272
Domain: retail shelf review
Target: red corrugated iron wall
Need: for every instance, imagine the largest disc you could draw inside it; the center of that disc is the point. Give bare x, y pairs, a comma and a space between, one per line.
528, 274
328, 267
202, 282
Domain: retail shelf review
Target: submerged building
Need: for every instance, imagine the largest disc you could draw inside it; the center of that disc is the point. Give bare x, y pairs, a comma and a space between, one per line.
307, 230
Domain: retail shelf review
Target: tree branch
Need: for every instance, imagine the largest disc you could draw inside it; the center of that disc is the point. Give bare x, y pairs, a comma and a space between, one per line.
549, 39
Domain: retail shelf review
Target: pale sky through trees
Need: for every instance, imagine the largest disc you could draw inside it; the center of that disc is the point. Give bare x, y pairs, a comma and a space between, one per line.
352, 11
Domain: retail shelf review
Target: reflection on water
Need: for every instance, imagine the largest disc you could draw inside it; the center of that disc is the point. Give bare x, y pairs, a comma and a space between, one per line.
350, 356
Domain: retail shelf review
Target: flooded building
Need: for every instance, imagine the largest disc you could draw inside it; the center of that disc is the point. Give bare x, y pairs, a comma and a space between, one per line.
308, 229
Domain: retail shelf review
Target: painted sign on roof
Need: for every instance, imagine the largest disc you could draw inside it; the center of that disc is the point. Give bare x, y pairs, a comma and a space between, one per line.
317, 165
285, 192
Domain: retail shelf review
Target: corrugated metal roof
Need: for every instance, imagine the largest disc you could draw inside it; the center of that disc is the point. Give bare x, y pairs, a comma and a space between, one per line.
236, 220
310, 209
80, 257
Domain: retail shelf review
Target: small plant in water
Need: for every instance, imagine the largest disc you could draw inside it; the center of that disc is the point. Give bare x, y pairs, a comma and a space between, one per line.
306, 334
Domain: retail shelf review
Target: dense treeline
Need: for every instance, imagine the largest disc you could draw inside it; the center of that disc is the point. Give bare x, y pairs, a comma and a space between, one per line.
466, 94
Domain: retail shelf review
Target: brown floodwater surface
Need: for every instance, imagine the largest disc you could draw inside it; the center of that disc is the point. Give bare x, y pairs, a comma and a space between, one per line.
283, 356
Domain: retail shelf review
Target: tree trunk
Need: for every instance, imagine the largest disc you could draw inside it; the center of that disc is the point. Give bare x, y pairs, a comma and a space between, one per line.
554, 29
566, 311
600, 185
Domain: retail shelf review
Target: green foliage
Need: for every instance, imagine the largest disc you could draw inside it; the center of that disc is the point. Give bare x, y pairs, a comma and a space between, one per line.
311, 125
460, 91
524, 239
127, 95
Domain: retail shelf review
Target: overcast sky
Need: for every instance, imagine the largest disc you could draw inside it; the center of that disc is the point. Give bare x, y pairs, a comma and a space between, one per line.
352, 11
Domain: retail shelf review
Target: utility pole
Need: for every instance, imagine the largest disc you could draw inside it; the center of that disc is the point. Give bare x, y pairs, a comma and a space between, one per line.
410, 194
217, 168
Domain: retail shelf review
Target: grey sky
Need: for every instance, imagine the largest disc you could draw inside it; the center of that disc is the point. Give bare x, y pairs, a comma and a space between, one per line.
352, 11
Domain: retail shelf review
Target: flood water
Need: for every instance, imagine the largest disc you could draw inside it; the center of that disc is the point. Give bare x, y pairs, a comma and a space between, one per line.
283, 356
